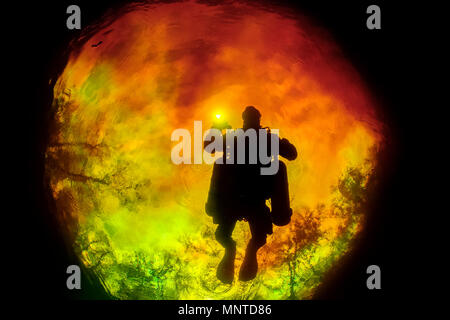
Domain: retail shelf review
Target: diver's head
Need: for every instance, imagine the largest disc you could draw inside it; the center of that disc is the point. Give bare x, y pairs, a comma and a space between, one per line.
251, 117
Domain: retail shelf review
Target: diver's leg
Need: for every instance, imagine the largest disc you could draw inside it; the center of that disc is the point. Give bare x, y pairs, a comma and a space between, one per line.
260, 227
281, 207
225, 269
224, 231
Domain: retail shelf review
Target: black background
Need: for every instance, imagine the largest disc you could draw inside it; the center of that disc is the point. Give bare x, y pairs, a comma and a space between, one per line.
383, 57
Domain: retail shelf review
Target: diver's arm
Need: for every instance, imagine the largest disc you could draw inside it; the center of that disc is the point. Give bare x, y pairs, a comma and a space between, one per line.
287, 149
215, 132
210, 138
